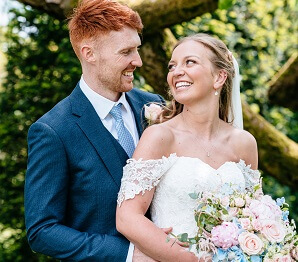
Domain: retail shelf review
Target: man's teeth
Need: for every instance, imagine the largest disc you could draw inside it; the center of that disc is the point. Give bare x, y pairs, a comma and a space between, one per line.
184, 84
128, 73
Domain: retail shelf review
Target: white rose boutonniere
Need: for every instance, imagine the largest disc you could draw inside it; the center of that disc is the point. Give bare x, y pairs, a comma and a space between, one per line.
152, 112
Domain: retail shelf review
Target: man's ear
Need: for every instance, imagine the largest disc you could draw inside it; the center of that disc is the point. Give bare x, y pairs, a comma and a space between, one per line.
87, 53
220, 78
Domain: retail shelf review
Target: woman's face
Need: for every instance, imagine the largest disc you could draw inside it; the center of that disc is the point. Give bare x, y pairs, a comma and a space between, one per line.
191, 74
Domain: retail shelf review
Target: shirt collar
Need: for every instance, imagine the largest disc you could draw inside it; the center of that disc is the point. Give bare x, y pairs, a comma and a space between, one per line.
101, 104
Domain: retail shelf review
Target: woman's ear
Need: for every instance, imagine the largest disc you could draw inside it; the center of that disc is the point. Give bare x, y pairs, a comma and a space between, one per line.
220, 79
87, 53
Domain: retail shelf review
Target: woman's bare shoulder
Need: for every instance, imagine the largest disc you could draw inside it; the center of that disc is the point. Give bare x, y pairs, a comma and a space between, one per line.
155, 142
245, 146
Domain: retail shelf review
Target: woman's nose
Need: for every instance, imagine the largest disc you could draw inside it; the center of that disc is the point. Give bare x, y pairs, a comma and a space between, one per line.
178, 71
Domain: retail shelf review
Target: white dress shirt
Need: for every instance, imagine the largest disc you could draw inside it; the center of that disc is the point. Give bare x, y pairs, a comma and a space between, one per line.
103, 107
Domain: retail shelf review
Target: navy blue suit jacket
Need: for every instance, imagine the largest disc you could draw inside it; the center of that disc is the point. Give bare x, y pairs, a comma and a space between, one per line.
73, 177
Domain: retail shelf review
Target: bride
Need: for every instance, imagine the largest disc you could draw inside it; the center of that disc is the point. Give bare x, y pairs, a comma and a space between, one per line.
198, 146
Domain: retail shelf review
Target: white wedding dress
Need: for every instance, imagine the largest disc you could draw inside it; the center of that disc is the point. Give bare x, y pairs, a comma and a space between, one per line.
174, 178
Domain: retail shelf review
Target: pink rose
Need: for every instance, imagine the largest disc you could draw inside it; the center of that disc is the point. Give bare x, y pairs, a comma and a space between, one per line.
225, 235
286, 258
256, 224
273, 231
245, 223
152, 111
281, 258
247, 212
265, 208
239, 202
250, 243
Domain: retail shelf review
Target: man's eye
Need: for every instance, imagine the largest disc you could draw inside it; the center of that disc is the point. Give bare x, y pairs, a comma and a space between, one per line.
126, 52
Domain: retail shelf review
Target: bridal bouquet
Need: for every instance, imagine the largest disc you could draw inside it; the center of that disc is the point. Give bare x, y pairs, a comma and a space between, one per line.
243, 226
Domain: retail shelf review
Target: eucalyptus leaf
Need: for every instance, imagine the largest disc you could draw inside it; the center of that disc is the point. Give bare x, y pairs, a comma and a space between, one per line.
193, 195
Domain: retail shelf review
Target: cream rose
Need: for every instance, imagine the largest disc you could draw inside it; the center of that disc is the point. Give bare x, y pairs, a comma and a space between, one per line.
250, 243
239, 202
273, 231
152, 112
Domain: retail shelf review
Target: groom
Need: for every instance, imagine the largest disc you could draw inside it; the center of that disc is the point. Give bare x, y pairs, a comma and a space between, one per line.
77, 149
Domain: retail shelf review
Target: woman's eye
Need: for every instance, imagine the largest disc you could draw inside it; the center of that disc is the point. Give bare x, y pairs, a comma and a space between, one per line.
190, 62
170, 67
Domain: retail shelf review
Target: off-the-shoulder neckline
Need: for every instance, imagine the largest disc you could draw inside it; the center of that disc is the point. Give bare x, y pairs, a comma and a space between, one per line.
174, 156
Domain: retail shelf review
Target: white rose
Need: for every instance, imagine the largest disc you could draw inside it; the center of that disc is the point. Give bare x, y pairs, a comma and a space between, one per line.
152, 111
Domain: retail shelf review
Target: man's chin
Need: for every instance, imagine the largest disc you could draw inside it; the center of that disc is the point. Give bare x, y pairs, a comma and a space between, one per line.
126, 87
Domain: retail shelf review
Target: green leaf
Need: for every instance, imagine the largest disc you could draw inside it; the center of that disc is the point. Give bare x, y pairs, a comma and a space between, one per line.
225, 4
183, 237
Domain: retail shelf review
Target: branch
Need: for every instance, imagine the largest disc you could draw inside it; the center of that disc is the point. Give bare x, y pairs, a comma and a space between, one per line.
277, 153
283, 86
155, 14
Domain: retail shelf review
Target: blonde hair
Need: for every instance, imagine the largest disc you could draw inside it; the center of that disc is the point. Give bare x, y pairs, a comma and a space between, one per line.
221, 58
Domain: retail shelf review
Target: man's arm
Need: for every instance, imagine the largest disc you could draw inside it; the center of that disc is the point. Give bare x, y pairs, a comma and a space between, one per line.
46, 190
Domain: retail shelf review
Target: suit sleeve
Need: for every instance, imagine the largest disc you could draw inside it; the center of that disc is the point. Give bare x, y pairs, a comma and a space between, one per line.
46, 190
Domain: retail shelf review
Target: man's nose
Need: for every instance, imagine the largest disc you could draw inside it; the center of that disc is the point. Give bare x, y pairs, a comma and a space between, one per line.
137, 61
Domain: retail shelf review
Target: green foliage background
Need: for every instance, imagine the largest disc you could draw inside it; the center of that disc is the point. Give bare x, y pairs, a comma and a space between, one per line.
42, 69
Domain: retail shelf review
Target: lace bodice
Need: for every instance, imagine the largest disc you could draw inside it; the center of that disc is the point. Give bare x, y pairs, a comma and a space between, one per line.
174, 178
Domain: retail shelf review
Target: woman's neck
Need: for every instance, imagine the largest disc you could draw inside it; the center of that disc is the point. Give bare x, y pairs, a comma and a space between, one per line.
201, 121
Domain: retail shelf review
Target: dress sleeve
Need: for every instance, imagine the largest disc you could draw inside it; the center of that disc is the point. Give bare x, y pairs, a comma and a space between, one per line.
141, 175
252, 177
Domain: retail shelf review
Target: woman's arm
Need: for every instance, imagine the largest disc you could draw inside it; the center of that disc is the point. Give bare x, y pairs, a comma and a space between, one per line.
130, 218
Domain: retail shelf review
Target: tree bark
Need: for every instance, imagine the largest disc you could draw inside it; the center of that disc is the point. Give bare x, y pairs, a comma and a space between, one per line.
155, 14
283, 86
277, 153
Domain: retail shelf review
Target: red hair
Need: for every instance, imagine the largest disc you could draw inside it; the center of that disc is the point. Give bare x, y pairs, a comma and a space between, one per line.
94, 17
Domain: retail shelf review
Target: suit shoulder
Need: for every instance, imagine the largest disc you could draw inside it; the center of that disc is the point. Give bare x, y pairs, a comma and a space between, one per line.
58, 114
147, 96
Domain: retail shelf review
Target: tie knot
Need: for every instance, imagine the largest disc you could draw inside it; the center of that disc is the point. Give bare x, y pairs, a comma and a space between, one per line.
116, 112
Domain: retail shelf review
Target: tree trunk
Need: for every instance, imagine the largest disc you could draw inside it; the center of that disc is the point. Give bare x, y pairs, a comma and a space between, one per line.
283, 86
155, 53
277, 153
155, 14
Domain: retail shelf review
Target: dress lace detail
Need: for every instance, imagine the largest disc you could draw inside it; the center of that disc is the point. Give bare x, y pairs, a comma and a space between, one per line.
252, 177
140, 175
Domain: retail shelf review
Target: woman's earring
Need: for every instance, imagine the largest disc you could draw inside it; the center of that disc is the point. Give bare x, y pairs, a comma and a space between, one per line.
216, 93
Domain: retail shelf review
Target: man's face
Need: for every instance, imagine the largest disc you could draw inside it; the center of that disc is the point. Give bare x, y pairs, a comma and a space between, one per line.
117, 57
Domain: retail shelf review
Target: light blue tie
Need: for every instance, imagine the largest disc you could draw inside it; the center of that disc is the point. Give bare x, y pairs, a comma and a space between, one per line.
124, 137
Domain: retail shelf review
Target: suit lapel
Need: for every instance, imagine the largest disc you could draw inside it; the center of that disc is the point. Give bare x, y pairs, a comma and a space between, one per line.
97, 134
